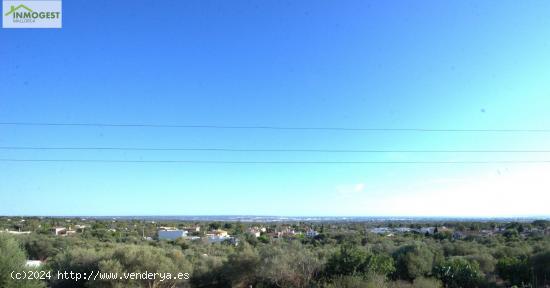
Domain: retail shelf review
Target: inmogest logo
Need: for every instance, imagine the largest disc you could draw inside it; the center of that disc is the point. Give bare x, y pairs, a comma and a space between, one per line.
31, 14
13, 9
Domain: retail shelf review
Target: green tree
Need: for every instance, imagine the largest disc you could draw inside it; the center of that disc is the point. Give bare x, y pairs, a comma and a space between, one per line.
413, 261
139, 258
12, 258
214, 225
380, 264
458, 273
77, 260
349, 260
541, 268
541, 224
514, 270
422, 282
40, 247
288, 265
240, 268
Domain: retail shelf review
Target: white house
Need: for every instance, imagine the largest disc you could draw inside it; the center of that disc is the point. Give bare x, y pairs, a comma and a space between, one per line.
219, 232
195, 228
429, 230
311, 233
16, 232
33, 263
217, 236
219, 239
80, 228
380, 230
403, 229
171, 234
254, 232
59, 231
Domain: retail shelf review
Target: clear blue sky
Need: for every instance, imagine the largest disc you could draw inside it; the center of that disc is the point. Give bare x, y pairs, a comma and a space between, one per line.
393, 64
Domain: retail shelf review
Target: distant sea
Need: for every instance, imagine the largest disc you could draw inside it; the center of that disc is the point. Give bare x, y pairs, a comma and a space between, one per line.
258, 219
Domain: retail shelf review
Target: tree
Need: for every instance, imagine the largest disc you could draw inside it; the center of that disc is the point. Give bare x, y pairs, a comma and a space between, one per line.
40, 247
214, 225
486, 261
139, 258
77, 260
288, 265
413, 261
263, 238
380, 264
357, 282
514, 270
12, 258
541, 268
458, 273
541, 224
422, 282
353, 261
240, 268
511, 234
121, 258
349, 260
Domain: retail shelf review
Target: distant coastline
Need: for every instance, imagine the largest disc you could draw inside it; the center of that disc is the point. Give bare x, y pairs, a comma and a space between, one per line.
260, 219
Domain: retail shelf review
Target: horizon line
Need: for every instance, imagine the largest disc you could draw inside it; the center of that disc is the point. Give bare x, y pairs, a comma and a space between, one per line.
288, 216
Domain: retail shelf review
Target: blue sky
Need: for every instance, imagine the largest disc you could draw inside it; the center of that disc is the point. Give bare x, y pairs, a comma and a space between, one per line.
391, 64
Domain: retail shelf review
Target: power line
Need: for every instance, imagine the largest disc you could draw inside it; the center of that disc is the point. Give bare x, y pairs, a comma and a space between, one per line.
267, 150
277, 162
382, 129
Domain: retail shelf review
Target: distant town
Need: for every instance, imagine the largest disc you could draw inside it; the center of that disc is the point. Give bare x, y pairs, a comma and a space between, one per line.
384, 253
270, 228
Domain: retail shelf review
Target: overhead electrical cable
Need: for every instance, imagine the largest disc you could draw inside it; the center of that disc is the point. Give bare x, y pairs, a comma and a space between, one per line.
268, 150
366, 129
277, 162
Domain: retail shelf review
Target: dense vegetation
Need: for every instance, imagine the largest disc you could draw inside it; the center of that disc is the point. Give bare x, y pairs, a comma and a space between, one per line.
341, 255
